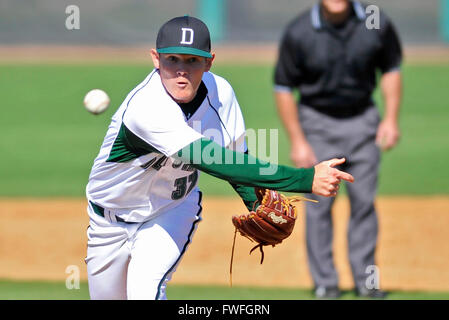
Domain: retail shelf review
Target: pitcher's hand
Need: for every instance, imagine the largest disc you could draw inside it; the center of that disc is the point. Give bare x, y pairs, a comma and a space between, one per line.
326, 181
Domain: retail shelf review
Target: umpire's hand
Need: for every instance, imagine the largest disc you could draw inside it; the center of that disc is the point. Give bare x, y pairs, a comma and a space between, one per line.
326, 181
303, 155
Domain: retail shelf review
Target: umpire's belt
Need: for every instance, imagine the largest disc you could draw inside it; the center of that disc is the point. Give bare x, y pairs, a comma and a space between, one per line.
100, 211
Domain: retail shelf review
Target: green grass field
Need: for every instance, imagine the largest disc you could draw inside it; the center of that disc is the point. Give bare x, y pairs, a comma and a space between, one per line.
49, 142
14, 290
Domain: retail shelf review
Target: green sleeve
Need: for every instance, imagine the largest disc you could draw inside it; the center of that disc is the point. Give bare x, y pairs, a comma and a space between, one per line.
247, 194
240, 168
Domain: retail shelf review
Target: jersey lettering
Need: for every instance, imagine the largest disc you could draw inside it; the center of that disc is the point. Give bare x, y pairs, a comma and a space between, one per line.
187, 167
181, 188
176, 164
148, 164
160, 163
157, 164
193, 178
181, 185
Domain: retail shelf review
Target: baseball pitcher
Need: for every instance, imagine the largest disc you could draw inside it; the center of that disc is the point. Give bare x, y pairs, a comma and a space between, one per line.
143, 198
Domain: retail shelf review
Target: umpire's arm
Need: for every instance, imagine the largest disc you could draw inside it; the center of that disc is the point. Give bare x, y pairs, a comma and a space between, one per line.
287, 77
388, 132
390, 58
301, 153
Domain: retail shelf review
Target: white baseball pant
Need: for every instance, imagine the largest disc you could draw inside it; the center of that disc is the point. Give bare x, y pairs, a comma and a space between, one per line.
136, 260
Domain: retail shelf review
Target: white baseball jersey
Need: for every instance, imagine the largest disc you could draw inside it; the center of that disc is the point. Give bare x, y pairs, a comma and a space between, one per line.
134, 173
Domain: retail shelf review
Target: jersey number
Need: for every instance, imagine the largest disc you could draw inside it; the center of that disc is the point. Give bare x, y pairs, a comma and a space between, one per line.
181, 185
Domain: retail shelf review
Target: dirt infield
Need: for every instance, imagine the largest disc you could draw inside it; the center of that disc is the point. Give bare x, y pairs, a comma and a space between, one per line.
39, 239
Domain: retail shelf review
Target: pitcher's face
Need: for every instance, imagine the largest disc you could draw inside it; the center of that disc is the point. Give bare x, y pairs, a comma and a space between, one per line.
181, 74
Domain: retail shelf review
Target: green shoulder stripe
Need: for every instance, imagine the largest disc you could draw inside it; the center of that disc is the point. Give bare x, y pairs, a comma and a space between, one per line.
127, 146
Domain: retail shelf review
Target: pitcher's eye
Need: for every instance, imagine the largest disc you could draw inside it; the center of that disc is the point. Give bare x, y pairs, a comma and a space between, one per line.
172, 59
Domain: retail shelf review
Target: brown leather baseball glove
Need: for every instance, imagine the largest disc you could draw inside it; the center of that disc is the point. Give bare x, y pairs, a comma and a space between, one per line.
271, 223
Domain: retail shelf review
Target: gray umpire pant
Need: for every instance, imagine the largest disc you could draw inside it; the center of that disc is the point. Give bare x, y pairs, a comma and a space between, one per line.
354, 139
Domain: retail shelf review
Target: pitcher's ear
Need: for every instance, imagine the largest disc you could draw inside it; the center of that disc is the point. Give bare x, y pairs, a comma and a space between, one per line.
209, 62
155, 58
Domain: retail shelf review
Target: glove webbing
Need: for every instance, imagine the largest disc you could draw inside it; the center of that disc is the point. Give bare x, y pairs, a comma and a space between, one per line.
285, 203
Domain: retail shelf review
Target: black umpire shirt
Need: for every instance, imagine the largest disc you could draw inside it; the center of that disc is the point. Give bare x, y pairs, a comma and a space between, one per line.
334, 66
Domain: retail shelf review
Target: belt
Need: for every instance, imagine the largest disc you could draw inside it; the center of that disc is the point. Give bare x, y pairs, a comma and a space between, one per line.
100, 211
344, 111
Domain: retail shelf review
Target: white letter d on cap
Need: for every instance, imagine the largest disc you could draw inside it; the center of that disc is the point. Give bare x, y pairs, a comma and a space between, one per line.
184, 36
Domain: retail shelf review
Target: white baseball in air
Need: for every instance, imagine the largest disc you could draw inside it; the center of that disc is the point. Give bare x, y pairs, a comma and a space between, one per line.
96, 101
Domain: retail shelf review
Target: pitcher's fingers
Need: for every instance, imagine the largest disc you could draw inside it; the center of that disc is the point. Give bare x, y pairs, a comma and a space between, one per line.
336, 162
345, 176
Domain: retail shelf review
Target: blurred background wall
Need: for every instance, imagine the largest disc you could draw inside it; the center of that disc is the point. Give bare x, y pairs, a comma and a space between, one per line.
135, 22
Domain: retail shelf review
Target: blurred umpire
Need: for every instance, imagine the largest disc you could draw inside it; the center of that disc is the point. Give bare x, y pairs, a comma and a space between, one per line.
333, 54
